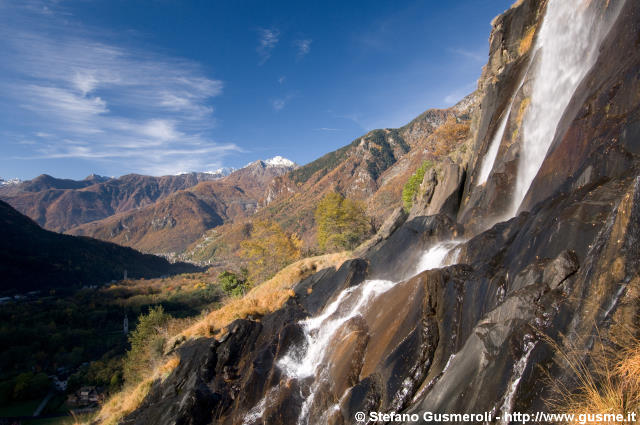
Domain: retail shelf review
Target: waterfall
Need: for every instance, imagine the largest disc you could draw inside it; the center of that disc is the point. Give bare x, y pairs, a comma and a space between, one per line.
490, 157
352, 302
518, 370
441, 254
567, 46
565, 49
304, 361
492, 153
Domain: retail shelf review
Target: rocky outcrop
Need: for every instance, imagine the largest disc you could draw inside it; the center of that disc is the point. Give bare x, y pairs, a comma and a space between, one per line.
407, 333
459, 339
440, 190
390, 225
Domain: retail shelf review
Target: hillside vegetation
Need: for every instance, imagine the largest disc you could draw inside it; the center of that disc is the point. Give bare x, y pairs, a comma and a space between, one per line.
35, 259
369, 172
156, 335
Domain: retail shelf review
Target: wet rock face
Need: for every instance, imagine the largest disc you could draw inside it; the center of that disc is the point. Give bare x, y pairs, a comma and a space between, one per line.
509, 62
467, 338
599, 136
397, 257
461, 339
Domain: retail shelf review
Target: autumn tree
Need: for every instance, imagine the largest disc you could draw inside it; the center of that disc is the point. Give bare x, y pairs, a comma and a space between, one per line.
341, 223
269, 249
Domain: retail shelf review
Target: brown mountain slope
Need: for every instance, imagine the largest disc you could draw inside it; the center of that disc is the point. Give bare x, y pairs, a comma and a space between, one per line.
58, 204
372, 169
173, 223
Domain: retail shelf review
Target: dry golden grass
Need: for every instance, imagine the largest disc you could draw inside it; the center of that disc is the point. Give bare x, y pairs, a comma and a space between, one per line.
608, 381
129, 398
527, 41
264, 298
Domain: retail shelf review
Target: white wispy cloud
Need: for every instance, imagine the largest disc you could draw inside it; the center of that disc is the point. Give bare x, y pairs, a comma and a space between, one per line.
86, 96
303, 46
327, 129
356, 118
268, 38
279, 103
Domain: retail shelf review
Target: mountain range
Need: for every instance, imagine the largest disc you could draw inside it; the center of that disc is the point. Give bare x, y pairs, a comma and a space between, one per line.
508, 292
176, 215
154, 214
512, 278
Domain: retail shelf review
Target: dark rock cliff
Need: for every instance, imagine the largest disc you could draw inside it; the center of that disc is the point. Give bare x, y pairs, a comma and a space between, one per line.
475, 336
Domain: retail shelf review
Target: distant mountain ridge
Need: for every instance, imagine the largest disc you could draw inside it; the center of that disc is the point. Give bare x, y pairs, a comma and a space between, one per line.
372, 169
62, 204
171, 224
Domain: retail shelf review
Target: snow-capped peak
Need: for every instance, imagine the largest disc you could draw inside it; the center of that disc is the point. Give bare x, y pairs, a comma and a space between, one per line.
225, 171
278, 161
10, 181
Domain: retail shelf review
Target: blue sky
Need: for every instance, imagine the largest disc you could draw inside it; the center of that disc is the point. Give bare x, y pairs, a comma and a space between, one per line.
163, 86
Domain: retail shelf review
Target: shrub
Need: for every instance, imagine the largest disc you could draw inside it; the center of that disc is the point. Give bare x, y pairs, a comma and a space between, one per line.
447, 136
607, 379
146, 344
29, 385
232, 284
410, 188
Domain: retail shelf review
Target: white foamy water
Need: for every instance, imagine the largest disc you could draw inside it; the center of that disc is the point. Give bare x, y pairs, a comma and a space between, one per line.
320, 330
567, 46
490, 157
306, 361
518, 369
440, 255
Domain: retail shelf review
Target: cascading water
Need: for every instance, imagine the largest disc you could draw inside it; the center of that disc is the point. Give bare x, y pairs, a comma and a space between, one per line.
491, 155
568, 42
441, 254
304, 361
567, 45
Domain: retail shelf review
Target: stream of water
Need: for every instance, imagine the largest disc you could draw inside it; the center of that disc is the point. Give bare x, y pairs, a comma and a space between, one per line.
492, 153
567, 45
306, 360
568, 42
